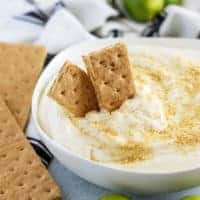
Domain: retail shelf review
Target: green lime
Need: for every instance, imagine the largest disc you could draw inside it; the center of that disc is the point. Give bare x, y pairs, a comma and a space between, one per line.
178, 2
143, 10
114, 197
191, 197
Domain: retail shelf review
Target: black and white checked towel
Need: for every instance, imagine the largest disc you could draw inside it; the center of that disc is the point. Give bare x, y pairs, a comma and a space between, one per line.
58, 24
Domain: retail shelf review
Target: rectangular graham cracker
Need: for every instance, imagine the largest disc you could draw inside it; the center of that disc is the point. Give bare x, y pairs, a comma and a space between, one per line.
22, 175
110, 72
20, 66
74, 90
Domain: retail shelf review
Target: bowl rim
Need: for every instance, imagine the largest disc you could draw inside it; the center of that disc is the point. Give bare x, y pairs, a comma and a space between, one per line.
42, 81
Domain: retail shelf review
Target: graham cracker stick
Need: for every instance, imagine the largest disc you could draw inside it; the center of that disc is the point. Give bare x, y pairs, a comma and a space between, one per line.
20, 66
74, 91
110, 72
22, 175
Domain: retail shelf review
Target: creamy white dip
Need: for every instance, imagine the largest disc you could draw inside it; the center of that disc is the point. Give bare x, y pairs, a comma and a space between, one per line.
156, 131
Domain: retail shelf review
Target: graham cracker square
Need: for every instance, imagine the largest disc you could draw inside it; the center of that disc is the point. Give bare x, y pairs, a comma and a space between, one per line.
20, 66
110, 72
22, 175
74, 91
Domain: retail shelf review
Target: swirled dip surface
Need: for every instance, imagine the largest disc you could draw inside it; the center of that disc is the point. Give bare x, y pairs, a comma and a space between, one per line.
157, 130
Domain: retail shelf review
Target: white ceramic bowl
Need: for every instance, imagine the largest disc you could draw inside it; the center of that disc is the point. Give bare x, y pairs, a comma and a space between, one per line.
116, 179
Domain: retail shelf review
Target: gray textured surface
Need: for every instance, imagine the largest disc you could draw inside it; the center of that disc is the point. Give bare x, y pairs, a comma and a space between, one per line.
75, 188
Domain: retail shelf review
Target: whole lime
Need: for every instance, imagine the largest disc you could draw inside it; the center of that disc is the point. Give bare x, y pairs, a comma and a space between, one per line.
169, 2
191, 197
114, 197
143, 10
